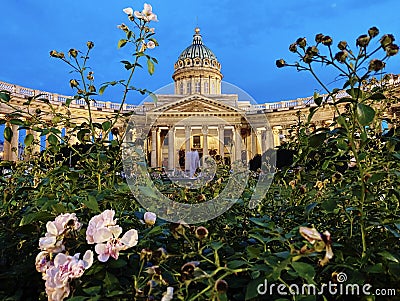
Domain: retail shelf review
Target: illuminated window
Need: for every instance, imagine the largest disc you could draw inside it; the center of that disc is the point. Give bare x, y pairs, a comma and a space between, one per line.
206, 88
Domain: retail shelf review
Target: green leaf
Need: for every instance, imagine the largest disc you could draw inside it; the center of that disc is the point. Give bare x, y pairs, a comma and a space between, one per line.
304, 270
8, 134
316, 140
92, 291
150, 66
81, 134
102, 89
106, 125
252, 290
355, 93
377, 96
318, 100
16, 121
216, 245
365, 114
388, 256
68, 102
53, 140
116, 264
28, 139
377, 177
234, 264
110, 280
5, 96
329, 205
375, 269
122, 43
310, 207
91, 203
35, 216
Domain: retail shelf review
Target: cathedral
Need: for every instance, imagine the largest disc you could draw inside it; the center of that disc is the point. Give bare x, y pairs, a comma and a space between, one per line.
198, 117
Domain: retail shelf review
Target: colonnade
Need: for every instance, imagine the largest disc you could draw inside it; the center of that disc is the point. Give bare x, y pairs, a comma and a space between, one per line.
230, 141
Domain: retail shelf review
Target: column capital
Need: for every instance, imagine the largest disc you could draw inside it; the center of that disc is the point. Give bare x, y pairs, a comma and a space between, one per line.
204, 129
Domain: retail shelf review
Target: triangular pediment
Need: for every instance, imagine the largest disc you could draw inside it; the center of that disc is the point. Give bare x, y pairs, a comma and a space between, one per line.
195, 103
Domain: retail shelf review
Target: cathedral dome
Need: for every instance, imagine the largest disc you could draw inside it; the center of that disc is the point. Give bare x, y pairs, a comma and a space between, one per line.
197, 49
197, 69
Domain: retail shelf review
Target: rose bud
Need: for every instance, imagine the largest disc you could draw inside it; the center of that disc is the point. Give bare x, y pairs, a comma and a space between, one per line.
327, 41
123, 27
280, 63
342, 45
160, 254
303, 189
373, 32
201, 232
337, 176
363, 40
150, 218
73, 52
145, 253
187, 269
319, 37
341, 56
392, 49
115, 131
307, 58
301, 42
73, 83
90, 75
221, 286
293, 47
312, 51
376, 65
90, 44
386, 40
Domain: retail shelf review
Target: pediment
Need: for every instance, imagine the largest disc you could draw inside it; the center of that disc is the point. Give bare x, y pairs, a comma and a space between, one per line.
196, 104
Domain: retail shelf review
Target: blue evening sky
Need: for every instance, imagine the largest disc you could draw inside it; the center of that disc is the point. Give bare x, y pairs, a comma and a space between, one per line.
246, 36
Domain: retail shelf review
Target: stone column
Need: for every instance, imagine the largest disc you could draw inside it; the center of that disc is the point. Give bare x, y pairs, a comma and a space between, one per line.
221, 138
275, 132
171, 148
238, 142
264, 141
258, 139
253, 143
187, 145
36, 142
14, 143
205, 140
154, 147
